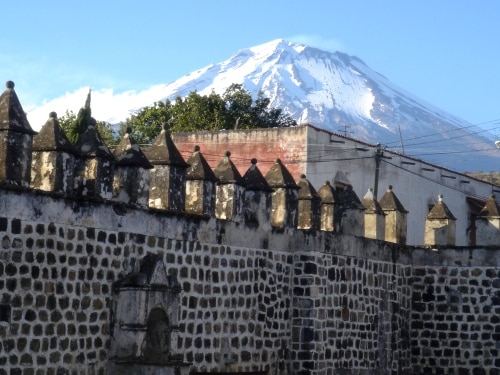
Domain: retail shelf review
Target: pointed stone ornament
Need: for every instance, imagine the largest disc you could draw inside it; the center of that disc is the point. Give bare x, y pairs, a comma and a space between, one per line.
440, 228
329, 207
488, 224
131, 173
351, 211
395, 219
284, 197
257, 197
54, 159
200, 185
491, 208
308, 205
12, 115
229, 191
168, 176
16, 138
374, 217
95, 165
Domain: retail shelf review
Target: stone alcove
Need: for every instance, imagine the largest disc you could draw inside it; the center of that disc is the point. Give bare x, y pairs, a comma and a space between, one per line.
145, 316
156, 344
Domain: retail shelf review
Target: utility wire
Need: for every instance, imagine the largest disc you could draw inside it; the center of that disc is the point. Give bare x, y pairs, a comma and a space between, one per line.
496, 121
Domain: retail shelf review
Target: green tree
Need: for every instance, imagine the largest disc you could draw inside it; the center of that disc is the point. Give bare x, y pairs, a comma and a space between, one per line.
147, 123
81, 122
197, 112
235, 109
68, 123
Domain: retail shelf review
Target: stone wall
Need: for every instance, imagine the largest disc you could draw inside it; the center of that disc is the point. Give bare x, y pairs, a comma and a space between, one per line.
249, 298
95, 279
277, 301
455, 314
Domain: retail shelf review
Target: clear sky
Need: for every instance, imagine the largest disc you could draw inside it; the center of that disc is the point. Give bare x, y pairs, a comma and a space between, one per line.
447, 52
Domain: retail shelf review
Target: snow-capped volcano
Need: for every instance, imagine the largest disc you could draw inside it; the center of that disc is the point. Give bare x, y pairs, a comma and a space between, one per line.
341, 93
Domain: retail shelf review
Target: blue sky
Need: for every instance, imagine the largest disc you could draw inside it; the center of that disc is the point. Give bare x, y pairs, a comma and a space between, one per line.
444, 51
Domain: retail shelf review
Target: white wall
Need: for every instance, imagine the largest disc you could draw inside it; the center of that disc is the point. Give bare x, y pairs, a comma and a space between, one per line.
415, 183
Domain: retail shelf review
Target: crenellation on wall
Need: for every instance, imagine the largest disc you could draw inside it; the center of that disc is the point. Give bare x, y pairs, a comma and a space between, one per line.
284, 196
16, 138
52, 157
200, 185
228, 191
309, 205
374, 217
131, 181
95, 168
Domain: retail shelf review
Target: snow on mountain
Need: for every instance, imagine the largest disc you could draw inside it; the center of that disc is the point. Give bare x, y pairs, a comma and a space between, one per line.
340, 93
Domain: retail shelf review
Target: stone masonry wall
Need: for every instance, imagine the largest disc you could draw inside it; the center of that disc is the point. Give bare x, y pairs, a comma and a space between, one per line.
241, 306
350, 314
278, 301
455, 320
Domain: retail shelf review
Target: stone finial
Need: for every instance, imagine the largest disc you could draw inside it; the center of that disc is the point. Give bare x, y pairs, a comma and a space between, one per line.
306, 190
308, 205
330, 215
395, 219
16, 139
370, 203
390, 201
327, 193
168, 177
440, 211
491, 208
199, 169
129, 153
284, 197
374, 217
164, 152
254, 180
52, 138
279, 176
229, 190
369, 194
488, 224
226, 172
440, 228
53, 159
200, 185
12, 115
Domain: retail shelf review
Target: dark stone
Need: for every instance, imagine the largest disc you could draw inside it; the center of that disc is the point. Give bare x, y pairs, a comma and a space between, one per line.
17, 256
30, 315
3, 224
10, 269
51, 302
16, 226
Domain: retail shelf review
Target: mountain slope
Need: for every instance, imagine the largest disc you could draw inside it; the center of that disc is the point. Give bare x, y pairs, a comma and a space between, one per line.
340, 93
329, 90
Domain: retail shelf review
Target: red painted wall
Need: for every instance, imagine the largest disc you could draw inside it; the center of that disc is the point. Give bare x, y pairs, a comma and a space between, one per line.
266, 145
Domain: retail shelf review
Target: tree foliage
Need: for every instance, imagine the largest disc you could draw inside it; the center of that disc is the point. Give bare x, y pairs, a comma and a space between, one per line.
75, 125
68, 122
235, 109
